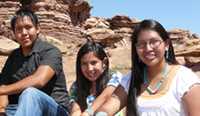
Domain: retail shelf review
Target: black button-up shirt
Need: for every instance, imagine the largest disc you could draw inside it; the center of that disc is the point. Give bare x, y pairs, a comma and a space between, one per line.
19, 66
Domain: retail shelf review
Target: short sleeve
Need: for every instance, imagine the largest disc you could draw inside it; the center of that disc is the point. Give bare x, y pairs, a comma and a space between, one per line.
125, 82
115, 79
186, 78
52, 57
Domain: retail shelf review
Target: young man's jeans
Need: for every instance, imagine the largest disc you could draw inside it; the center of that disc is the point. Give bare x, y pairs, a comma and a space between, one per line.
33, 102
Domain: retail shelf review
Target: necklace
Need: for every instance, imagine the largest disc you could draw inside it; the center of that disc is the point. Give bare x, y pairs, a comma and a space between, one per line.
155, 89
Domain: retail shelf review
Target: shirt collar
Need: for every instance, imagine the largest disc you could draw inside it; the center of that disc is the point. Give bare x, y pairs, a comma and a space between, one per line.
36, 47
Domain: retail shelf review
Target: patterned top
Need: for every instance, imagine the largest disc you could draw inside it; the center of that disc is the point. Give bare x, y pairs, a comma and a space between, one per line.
168, 102
114, 81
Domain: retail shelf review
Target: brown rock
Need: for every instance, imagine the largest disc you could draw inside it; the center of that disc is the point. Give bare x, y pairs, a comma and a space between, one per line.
7, 46
95, 22
121, 21
59, 44
103, 35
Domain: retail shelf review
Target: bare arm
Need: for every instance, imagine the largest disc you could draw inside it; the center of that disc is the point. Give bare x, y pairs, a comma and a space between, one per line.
116, 102
191, 101
38, 79
106, 94
3, 102
76, 110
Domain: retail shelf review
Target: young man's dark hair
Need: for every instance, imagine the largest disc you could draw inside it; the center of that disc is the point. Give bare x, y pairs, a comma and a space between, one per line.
26, 2
23, 13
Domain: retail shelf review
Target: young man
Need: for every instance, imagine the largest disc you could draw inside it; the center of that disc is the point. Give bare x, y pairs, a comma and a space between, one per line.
32, 78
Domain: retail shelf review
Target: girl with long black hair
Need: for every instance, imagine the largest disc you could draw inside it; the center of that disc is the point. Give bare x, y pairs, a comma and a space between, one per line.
94, 81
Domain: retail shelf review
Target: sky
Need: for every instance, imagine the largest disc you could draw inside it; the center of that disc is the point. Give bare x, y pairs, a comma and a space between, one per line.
183, 14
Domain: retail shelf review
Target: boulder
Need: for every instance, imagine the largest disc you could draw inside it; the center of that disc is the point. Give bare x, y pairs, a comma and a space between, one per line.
7, 45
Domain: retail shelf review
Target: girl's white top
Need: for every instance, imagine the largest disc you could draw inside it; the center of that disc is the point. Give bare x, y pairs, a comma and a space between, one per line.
169, 102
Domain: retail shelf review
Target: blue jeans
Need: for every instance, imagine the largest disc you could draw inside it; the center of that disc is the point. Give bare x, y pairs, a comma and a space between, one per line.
33, 102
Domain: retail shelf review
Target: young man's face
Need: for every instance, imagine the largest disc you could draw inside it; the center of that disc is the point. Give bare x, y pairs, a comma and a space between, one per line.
25, 32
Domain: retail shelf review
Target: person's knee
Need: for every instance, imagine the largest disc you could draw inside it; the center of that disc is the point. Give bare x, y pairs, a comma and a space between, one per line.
29, 93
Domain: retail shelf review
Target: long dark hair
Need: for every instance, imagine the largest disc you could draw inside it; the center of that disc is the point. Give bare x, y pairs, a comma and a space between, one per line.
83, 84
138, 65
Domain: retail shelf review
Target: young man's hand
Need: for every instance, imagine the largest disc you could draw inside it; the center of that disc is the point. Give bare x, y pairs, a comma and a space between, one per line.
3, 102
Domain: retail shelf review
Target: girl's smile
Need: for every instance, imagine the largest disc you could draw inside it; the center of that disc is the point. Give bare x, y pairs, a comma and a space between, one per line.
91, 66
150, 47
